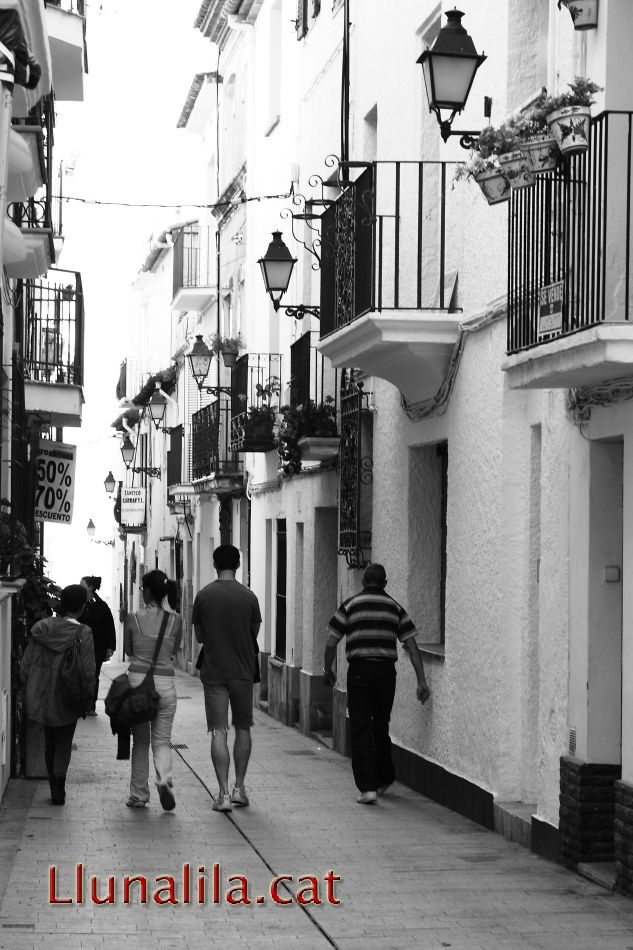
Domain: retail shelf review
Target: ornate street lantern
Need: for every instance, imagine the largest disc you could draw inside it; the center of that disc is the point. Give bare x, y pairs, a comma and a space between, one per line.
200, 360
449, 69
90, 528
157, 405
109, 483
277, 265
127, 451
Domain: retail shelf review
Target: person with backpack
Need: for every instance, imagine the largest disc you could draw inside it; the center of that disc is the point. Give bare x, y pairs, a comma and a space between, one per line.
142, 631
58, 670
98, 616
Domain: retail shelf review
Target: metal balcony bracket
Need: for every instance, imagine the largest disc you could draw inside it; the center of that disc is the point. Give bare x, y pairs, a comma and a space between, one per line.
300, 311
145, 470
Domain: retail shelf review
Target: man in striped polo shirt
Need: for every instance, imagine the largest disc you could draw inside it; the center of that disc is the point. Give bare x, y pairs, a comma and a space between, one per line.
372, 623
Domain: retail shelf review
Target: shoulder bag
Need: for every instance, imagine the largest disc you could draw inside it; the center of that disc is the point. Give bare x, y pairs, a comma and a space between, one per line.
130, 705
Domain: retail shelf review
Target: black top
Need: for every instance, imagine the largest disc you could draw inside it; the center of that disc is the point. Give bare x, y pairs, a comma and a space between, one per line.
98, 616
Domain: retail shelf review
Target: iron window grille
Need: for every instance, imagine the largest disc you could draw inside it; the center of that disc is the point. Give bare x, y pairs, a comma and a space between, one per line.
211, 452
51, 317
356, 471
255, 390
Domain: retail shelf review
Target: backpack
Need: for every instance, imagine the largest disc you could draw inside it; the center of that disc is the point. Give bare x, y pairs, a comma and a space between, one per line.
74, 687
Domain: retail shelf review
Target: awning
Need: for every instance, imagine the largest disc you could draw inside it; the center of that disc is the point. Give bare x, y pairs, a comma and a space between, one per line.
16, 62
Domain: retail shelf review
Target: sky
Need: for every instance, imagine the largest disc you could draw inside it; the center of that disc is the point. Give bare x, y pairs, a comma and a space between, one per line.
121, 145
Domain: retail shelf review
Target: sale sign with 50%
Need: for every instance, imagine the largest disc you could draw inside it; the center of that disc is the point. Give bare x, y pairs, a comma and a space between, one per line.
55, 482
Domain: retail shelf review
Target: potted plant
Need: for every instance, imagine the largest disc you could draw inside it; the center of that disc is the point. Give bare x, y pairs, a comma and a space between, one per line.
535, 139
488, 175
504, 144
228, 346
258, 420
584, 13
307, 432
568, 115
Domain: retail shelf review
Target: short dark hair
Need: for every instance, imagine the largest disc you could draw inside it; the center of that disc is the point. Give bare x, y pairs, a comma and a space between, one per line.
374, 576
226, 557
92, 581
72, 599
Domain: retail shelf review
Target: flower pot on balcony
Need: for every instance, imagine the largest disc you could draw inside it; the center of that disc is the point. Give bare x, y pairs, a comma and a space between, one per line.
541, 151
229, 358
517, 168
318, 448
258, 435
570, 127
494, 184
584, 13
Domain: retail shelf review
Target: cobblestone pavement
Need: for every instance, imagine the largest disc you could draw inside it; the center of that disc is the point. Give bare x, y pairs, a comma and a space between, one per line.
413, 874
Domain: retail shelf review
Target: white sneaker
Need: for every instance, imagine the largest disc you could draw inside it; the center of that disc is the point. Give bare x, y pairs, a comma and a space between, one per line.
222, 803
367, 798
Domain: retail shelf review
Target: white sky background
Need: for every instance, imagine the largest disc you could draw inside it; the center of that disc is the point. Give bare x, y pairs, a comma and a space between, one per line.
123, 141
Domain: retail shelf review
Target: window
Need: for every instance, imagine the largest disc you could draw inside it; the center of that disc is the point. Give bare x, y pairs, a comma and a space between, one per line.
428, 484
280, 621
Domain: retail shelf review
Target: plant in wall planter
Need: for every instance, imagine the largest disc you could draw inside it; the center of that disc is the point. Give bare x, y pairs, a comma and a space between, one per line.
568, 115
536, 141
228, 346
584, 13
504, 144
488, 175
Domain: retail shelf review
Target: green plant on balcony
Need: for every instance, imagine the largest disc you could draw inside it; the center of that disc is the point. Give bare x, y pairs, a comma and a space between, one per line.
488, 175
568, 114
310, 419
39, 595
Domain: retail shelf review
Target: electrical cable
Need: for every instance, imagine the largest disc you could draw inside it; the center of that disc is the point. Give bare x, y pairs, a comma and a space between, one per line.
245, 199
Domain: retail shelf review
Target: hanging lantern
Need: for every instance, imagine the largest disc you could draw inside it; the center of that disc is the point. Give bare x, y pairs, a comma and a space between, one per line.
200, 361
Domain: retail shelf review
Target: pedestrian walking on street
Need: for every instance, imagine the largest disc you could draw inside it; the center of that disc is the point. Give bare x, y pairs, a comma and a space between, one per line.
40, 672
226, 620
98, 617
140, 633
372, 623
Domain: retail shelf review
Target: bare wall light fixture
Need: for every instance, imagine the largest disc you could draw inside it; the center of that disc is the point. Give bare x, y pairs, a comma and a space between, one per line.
277, 265
449, 68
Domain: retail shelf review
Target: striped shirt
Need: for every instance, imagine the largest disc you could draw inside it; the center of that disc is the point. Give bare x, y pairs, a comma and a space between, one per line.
372, 623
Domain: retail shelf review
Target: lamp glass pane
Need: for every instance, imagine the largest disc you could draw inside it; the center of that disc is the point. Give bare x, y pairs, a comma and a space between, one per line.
277, 274
452, 78
200, 366
157, 406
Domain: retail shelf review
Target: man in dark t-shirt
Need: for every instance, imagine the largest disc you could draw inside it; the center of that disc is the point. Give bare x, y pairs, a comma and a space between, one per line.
226, 619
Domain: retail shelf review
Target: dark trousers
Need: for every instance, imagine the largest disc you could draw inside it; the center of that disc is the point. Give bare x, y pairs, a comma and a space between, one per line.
371, 687
58, 742
98, 665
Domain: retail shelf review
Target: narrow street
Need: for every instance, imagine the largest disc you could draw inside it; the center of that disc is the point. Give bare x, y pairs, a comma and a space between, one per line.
411, 872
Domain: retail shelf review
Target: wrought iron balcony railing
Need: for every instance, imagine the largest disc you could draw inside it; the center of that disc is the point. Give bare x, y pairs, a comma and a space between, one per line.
211, 454
193, 259
50, 320
255, 389
571, 233
311, 375
384, 242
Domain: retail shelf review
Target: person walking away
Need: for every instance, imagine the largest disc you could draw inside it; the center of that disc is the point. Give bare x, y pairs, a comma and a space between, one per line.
226, 620
140, 633
39, 671
372, 623
98, 617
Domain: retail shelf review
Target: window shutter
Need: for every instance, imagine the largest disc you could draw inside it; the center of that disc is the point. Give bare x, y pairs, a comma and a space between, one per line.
302, 18
316, 8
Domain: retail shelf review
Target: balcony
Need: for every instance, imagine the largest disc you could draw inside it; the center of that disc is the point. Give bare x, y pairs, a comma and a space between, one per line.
34, 220
30, 152
309, 432
570, 276
193, 264
50, 321
66, 24
388, 282
214, 466
255, 387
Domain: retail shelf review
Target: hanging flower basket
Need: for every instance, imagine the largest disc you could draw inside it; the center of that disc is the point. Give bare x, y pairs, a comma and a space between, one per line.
517, 169
541, 151
494, 184
570, 127
584, 13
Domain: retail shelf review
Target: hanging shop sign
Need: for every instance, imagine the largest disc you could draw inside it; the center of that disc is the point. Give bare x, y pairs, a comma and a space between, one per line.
133, 506
55, 489
550, 308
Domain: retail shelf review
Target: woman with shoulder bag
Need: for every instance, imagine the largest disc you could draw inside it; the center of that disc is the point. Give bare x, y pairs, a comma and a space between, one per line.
140, 634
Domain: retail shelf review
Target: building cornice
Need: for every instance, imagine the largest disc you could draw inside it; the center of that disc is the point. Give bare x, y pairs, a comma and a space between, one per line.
192, 96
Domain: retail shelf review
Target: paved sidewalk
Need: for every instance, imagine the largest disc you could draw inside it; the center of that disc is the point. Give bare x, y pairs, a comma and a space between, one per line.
413, 874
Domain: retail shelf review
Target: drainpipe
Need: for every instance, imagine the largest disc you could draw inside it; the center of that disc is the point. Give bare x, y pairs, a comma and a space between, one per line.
345, 95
